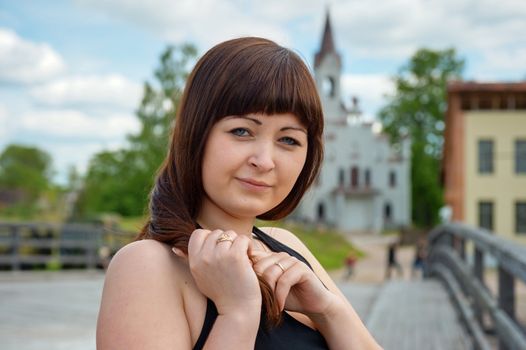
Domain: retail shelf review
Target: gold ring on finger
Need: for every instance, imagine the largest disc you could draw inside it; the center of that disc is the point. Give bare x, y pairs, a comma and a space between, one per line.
224, 237
280, 266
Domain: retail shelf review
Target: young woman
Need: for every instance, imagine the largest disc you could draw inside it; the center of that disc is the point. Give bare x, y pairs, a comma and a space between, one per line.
247, 144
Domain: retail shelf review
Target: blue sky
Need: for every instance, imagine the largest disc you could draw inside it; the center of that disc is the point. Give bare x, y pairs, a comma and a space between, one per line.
71, 72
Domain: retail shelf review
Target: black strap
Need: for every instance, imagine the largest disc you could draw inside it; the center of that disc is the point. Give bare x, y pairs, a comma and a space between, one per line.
211, 310
210, 317
277, 246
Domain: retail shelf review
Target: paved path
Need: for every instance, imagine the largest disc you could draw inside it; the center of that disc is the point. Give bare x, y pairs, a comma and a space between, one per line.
58, 311
49, 311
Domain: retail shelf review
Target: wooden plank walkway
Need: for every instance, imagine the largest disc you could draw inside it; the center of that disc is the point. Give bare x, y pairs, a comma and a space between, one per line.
413, 315
59, 310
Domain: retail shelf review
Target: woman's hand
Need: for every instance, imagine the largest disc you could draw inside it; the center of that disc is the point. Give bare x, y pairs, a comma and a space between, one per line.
222, 271
295, 285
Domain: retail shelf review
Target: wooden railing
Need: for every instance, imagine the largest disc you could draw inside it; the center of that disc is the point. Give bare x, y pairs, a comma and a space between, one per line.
44, 245
458, 254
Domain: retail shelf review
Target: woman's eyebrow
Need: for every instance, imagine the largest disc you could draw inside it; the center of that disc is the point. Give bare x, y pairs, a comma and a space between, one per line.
258, 122
294, 128
245, 117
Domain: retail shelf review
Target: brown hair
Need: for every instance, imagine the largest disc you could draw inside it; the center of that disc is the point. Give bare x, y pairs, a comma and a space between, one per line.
236, 77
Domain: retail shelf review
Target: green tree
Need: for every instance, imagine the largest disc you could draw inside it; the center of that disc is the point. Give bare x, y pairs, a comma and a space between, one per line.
417, 109
25, 175
119, 181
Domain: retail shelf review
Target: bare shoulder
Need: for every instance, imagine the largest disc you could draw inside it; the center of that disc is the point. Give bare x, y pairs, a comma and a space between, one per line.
143, 255
286, 237
146, 260
142, 302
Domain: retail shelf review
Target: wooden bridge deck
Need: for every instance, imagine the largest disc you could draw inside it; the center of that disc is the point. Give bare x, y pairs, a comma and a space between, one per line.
58, 311
416, 315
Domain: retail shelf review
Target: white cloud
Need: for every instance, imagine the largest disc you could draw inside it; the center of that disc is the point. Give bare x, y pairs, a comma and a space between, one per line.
370, 90
206, 22
109, 90
390, 30
73, 124
396, 28
495, 65
23, 61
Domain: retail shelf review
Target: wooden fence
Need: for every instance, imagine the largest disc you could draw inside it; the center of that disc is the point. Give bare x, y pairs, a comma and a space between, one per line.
44, 245
465, 281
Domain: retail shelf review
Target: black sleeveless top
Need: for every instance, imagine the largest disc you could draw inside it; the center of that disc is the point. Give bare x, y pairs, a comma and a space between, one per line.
290, 334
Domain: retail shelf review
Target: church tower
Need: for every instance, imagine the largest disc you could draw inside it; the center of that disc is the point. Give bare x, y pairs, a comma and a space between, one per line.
327, 73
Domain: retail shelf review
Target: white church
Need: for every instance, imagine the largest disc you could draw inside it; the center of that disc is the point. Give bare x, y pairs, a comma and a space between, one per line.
364, 183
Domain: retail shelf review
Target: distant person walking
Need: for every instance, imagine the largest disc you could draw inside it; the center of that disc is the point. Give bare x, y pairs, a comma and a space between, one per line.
419, 262
350, 262
392, 263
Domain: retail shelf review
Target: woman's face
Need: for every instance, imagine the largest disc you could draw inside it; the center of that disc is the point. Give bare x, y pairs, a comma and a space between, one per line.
251, 163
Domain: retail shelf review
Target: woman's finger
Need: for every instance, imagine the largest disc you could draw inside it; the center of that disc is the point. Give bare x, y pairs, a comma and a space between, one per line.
196, 241
271, 267
267, 260
255, 253
212, 243
292, 275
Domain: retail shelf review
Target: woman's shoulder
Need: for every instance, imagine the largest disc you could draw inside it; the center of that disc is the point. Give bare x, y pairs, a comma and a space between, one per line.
146, 259
148, 247
143, 295
286, 237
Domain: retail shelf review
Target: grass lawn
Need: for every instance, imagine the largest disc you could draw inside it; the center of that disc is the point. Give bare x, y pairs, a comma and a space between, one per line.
327, 245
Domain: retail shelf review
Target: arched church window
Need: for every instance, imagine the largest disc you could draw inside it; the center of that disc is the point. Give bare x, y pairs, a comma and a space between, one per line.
341, 177
321, 212
354, 177
388, 212
328, 87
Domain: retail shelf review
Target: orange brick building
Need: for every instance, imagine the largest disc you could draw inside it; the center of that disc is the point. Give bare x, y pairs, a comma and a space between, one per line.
484, 160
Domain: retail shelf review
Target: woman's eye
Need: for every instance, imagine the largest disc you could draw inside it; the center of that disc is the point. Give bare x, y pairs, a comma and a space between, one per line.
240, 132
290, 141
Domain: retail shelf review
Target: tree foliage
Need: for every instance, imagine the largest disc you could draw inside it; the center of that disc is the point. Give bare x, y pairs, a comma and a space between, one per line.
25, 179
417, 110
26, 169
119, 181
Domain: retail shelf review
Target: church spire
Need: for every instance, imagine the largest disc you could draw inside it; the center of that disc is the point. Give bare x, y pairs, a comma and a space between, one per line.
327, 42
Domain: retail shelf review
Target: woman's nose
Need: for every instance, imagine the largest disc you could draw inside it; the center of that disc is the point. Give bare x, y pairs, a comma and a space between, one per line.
263, 158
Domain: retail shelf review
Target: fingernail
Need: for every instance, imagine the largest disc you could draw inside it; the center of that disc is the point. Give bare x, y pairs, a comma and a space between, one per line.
177, 251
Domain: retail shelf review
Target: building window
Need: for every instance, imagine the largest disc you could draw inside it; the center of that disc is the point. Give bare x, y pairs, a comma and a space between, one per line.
520, 156
388, 212
354, 177
486, 215
367, 178
392, 179
321, 212
341, 177
485, 150
520, 217
328, 87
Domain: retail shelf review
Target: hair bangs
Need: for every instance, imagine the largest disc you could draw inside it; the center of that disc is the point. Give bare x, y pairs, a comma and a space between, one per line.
276, 82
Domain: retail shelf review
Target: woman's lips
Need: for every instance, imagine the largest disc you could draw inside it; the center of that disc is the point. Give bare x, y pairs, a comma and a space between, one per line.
254, 184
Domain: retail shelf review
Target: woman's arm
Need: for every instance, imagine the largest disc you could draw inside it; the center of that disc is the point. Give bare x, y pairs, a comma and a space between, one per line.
142, 304
339, 323
223, 272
